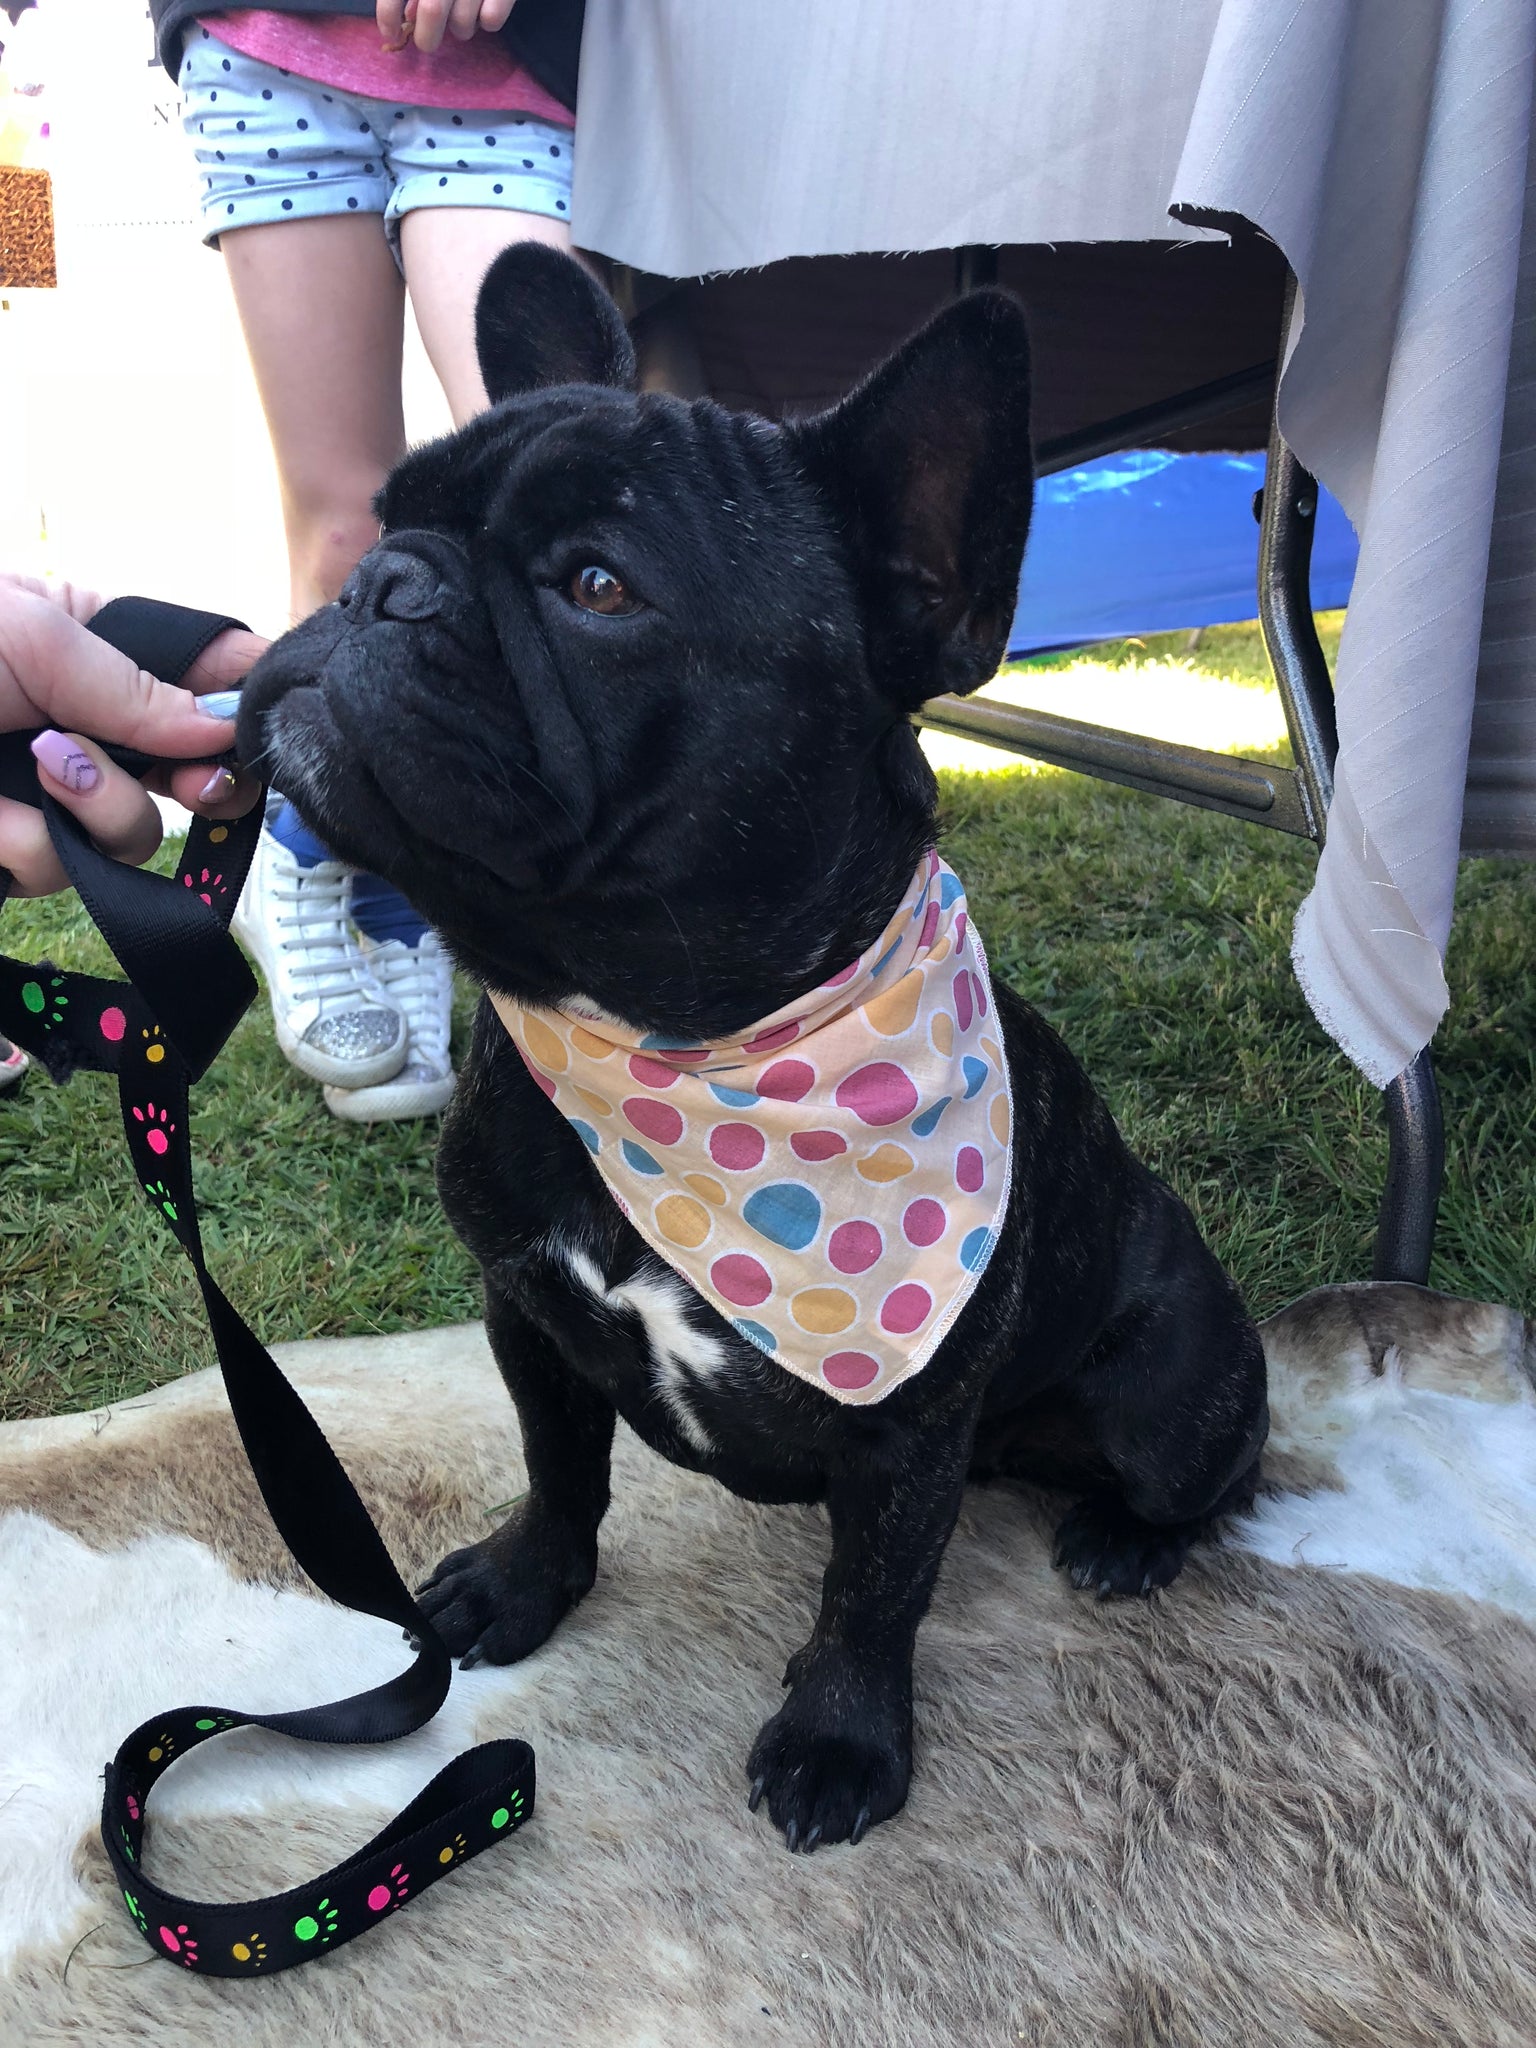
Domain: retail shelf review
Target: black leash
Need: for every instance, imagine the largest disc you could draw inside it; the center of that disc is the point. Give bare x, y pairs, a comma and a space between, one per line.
188, 986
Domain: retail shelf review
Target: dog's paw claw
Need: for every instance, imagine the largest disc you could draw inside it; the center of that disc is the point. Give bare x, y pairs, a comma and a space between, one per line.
836, 1757
489, 1606
1103, 1547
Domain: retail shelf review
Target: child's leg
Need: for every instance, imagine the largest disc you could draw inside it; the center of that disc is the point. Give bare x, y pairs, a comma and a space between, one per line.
323, 308
446, 251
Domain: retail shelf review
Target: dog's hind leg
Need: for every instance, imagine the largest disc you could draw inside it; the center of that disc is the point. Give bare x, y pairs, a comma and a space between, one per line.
1175, 1406
497, 1600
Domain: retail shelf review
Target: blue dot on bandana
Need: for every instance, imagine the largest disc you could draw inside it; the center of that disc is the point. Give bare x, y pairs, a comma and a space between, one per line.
733, 1098
885, 959
756, 1334
786, 1213
587, 1135
637, 1157
976, 1072
976, 1247
925, 1125
950, 886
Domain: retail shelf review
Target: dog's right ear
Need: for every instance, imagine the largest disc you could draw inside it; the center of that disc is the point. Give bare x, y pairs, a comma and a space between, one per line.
541, 319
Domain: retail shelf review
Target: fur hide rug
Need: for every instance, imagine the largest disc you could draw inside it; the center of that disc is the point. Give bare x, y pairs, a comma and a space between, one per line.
1291, 1802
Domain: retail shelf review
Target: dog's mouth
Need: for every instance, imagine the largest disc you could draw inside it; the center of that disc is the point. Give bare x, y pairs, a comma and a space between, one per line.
341, 717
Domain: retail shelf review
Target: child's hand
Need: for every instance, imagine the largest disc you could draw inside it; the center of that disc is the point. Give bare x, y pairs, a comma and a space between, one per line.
55, 674
428, 21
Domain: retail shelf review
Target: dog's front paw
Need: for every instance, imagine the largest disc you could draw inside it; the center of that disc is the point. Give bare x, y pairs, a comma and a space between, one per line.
1102, 1546
836, 1758
498, 1600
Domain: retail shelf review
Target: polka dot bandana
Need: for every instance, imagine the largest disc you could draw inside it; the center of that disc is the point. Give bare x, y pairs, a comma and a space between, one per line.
834, 1181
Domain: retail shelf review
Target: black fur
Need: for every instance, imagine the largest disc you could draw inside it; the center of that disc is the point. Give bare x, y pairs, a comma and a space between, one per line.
691, 814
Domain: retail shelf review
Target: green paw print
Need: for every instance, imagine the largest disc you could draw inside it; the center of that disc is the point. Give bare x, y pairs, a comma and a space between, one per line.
137, 1911
159, 1192
511, 1813
46, 1003
213, 1724
319, 1925
127, 1842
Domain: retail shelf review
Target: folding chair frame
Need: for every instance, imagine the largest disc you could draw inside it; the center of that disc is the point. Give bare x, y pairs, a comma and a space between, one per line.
1292, 799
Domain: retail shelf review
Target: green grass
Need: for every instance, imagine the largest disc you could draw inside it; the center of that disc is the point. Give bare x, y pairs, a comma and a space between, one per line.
1154, 937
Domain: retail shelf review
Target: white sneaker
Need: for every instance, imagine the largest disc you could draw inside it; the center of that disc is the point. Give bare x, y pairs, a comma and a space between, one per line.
420, 979
333, 1021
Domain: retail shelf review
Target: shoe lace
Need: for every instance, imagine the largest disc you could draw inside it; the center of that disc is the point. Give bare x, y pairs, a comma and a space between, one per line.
420, 980
321, 951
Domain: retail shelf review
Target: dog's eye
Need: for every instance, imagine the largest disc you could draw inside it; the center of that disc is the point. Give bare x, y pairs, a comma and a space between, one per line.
598, 590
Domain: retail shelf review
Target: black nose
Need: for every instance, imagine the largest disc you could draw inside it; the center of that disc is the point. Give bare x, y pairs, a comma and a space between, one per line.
389, 583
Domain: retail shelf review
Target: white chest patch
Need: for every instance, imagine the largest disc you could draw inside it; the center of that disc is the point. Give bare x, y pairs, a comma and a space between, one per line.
681, 1354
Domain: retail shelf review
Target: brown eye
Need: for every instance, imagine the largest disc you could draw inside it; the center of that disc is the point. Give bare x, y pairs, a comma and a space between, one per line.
599, 590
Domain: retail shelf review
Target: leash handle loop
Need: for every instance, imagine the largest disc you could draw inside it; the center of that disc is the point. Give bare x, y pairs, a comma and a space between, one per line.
188, 986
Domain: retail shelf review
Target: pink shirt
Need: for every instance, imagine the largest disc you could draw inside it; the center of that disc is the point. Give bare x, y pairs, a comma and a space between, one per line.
345, 50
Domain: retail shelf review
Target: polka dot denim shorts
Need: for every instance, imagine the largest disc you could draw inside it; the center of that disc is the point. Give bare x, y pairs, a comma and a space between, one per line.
272, 146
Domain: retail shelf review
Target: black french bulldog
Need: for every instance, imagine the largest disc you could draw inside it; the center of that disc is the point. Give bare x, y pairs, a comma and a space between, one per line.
620, 701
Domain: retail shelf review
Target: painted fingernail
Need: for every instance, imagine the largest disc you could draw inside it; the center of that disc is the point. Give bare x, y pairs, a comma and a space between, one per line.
65, 762
219, 703
217, 787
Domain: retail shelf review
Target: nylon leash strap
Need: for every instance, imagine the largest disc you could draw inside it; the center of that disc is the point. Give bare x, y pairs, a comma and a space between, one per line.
187, 987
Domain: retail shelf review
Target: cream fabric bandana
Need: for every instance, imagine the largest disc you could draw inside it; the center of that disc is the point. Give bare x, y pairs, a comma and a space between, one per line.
834, 1183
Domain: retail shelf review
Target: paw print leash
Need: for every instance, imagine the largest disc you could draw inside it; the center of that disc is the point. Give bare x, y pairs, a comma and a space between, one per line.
187, 987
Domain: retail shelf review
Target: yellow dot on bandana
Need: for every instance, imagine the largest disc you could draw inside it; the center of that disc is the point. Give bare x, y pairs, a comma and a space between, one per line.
588, 1042
595, 1102
824, 1310
992, 1049
942, 1032
544, 1045
940, 950
892, 1013
997, 1116
702, 1184
886, 1162
681, 1221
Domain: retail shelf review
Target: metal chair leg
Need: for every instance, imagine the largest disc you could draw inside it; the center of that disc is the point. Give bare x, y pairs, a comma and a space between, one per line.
1410, 1202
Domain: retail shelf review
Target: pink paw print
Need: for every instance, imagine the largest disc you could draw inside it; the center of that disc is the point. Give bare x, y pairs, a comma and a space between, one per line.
133, 1807
207, 885
181, 1945
382, 1895
157, 1124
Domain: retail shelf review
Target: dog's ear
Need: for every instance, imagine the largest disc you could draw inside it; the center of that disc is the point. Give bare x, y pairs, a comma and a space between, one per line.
928, 471
541, 319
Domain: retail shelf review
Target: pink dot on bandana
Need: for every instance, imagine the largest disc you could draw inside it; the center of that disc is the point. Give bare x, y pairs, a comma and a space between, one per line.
981, 994
786, 1080
960, 924
737, 1147
970, 1169
651, 1073
843, 974
878, 1094
854, 1247
849, 1369
781, 1034
688, 1055
542, 1080
817, 1144
905, 1309
742, 1280
113, 1024
963, 1000
658, 1121
924, 1222
930, 926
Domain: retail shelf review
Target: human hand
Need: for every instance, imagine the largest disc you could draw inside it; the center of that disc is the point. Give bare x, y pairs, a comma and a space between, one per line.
55, 674
427, 21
